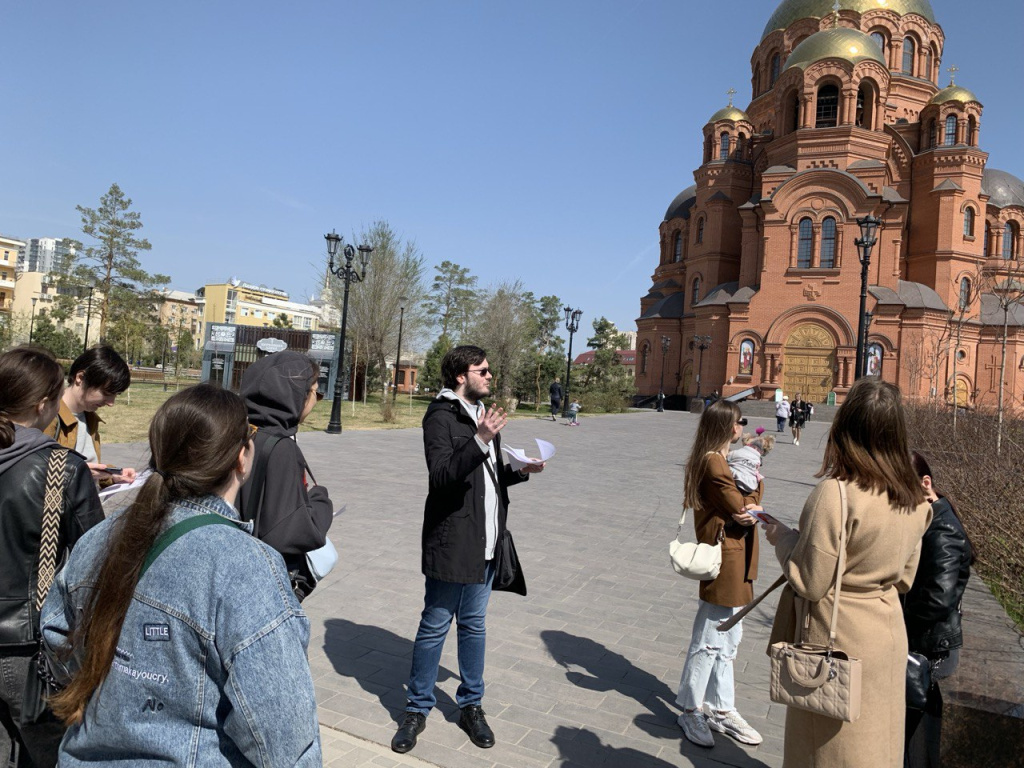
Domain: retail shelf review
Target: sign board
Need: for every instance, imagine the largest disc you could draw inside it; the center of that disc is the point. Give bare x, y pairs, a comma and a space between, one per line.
221, 338
271, 345
321, 344
831, 400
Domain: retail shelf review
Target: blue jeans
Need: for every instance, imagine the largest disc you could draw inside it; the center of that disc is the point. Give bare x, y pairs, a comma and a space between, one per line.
708, 674
467, 604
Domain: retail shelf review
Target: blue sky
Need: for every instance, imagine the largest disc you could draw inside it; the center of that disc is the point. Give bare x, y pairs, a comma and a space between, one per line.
527, 139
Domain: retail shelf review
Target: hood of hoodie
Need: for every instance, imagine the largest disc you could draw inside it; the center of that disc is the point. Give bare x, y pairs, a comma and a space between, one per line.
470, 410
26, 440
275, 389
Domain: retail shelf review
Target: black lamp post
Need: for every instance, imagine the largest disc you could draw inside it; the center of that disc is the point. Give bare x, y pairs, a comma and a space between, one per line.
32, 321
398, 355
701, 343
572, 324
349, 274
867, 332
666, 342
88, 317
868, 227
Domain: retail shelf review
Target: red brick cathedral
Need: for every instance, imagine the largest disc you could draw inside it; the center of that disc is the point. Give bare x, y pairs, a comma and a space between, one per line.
758, 258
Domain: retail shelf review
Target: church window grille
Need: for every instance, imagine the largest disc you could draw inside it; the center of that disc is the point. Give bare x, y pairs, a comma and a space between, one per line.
776, 68
828, 243
757, 80
972, 131
927, 63
805, 244
700, 230
695, 294
741, 146
708, 149
988, 236
879, 39
794, 111
679, 246
933, 135
965, 293
950, 139
909, 49
968, 222
827, 110
723, 152
1009, 241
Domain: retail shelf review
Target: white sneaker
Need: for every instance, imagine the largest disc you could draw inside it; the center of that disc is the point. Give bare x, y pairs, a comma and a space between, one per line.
695, 728
796, 442
733, 724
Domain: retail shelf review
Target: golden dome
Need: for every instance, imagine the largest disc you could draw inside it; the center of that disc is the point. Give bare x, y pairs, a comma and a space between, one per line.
729, 113
790, 11
842, 43
954, 93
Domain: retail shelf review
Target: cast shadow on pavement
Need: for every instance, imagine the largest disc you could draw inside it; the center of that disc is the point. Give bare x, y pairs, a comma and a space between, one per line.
379, 661
580, 748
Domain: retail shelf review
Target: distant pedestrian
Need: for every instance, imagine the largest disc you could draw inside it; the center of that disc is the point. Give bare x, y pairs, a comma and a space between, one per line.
782, 413
797, 417
574, 410
555, 390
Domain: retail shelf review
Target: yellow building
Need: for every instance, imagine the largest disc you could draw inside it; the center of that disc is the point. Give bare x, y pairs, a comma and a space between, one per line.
256, 305
9, 248
181, 311
36, 294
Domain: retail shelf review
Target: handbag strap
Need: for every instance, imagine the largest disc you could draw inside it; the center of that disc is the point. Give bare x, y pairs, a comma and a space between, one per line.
840, 565
53, 502
732, 621
254, 504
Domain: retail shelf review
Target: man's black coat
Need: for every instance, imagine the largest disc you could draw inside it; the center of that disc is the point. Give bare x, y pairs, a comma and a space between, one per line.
454, 520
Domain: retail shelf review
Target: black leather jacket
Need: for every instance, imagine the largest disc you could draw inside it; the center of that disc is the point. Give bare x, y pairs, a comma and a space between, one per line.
21, 505
932, 606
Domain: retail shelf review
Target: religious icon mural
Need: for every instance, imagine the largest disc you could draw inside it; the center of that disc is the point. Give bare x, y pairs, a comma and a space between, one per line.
746, 357
874, 366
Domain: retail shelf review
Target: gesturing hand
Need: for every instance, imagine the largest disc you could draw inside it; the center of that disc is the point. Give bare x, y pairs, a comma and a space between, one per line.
493, 421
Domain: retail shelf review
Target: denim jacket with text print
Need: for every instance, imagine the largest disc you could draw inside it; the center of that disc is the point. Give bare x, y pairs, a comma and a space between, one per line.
210, 667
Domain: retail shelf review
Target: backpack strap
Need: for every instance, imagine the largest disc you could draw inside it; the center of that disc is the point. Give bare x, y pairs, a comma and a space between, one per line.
175, 532
254, 504
53, 503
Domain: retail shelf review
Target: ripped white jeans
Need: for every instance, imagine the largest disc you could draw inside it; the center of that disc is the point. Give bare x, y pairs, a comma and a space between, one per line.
707, 673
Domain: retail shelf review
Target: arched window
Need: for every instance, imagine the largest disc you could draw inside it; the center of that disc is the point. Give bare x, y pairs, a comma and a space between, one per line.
793, 111
776, 68
723, 151
879, 39
909, 49
828, 243
645, 353
968, 222
741, 146
950, 139
972, 131
927, 74
988, 237
679, 246
805, 244
865, 115
1009, 241
933, 135
827, 110
757, 80
965, 293
695, 292
700, 230
709, 147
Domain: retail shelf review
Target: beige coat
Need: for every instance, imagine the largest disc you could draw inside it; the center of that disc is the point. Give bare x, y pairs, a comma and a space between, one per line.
881, 559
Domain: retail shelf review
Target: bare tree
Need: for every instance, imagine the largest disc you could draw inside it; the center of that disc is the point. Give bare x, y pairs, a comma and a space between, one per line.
1007, 288
969, 292
504, 328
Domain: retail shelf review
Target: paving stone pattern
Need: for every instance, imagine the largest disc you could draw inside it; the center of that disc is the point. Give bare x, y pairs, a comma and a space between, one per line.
581, 672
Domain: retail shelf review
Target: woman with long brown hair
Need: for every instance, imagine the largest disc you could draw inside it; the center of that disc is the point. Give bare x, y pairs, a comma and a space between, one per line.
189, 646
887, 513
720, 513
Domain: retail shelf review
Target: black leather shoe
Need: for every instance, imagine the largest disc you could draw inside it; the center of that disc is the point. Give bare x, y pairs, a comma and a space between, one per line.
411, 727
473, 722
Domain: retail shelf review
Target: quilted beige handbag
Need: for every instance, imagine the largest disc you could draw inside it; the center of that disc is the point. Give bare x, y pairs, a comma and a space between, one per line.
820, 679
696, 561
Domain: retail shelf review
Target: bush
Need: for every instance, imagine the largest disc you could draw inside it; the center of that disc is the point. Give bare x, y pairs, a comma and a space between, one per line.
983, 485
605, 401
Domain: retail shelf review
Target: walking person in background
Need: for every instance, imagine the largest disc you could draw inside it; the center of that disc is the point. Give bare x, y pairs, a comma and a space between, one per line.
31, 382
721, 512
187, 643
463, 519
555, 391
782, 413
887, 514
931, 610
95, 379
797, 417
280, 391
574, 412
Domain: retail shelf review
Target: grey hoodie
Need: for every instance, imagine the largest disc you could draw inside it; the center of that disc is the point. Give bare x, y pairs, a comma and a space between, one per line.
26, 440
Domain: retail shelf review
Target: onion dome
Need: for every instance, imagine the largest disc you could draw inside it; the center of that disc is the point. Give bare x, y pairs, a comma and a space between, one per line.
790, 11
1004, 189
729, 113
842, 43
684, 201
954, 93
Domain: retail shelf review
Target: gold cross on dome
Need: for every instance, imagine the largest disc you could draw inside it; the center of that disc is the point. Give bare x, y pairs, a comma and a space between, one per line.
730, 93
952, 74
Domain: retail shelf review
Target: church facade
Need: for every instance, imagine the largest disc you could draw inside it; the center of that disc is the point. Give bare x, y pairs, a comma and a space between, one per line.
758, 282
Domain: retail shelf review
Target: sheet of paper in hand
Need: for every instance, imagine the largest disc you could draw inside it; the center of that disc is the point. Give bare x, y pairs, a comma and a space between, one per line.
518, 459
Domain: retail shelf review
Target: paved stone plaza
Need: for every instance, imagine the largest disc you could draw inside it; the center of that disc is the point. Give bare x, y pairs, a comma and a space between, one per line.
583, 671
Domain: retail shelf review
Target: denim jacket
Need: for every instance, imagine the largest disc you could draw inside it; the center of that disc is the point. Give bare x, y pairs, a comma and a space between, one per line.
210, 667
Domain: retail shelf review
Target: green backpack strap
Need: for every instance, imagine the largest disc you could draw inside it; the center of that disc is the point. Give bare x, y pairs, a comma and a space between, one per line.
175, 532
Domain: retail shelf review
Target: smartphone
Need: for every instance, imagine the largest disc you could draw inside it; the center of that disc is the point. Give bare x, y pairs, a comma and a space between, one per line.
113, 470
764, 517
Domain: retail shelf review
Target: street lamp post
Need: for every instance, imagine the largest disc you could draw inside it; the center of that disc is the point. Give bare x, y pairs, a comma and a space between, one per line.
666, 342
701, 343
349, 274
867, 333
88, 316
572, 324
398, 355
32, 321
868, 227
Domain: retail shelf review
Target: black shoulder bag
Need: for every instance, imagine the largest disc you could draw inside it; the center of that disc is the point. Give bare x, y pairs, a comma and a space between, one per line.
508, 573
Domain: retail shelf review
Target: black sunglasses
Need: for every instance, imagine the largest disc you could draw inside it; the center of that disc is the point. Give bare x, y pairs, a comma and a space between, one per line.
742, 422
479, 371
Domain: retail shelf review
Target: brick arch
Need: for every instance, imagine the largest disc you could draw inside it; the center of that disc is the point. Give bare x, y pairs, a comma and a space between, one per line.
747, 333
842, 334
841, 194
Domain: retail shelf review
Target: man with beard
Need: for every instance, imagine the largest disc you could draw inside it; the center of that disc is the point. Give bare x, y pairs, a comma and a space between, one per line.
463, 518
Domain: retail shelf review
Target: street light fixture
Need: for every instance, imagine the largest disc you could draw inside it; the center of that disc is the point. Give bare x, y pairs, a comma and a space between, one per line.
701, 343
398, 355
868, 228
350, 275
666, 342
572, 324
88, 317
32, 322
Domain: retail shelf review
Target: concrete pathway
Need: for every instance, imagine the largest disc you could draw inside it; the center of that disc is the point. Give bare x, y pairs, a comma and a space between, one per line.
583, 671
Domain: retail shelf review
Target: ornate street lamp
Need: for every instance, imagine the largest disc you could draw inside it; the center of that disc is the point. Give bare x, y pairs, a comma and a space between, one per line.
32, 322
868, 227
701, 343
666, 342
349, 274
398, 355
572, 324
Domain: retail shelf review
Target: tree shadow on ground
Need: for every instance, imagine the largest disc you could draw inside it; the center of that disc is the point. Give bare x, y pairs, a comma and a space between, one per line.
580, 748
379, 660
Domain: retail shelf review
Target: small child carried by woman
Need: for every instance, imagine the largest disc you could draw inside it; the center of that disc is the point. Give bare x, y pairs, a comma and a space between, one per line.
745, 462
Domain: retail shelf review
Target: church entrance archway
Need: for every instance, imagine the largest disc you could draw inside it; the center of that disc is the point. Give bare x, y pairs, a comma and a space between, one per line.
809, 362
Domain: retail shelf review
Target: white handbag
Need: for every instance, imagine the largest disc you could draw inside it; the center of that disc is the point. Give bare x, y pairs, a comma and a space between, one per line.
322, 561
701, 562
